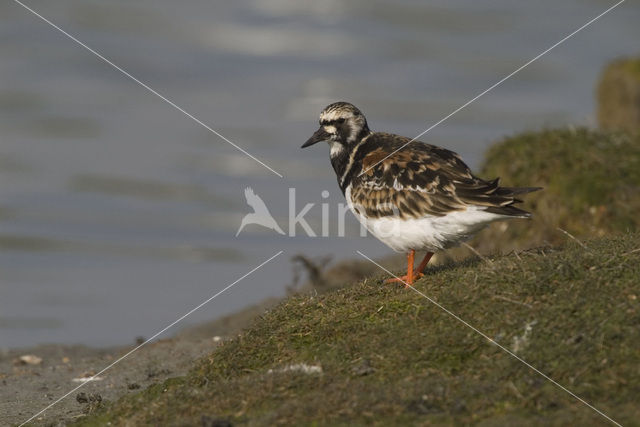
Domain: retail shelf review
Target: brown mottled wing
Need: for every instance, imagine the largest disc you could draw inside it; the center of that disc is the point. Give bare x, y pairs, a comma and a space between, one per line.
422, 179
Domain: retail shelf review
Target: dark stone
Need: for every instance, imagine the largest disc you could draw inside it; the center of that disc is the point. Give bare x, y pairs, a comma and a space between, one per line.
423, 407
208, 421
154, 372
363, 369
459, 407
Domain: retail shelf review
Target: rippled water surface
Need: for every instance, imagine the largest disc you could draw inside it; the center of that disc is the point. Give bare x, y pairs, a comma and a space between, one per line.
118, 213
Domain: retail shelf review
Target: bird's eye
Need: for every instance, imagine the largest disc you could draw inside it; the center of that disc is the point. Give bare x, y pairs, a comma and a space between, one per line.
341, 120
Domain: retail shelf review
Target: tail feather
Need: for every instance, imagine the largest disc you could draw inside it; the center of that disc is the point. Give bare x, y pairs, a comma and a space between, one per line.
509, 210
509, 193
516, 190
493, 197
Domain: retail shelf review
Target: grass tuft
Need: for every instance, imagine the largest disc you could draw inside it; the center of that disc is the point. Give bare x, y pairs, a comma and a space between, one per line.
389, 356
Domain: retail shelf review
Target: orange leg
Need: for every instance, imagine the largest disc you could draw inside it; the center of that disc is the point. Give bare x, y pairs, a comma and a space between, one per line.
408, 278
424, 263
411, 274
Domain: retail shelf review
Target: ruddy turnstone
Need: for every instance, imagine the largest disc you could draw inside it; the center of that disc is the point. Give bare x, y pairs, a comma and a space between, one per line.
412, 197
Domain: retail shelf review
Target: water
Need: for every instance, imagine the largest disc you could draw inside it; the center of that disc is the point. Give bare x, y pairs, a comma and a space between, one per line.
118, 213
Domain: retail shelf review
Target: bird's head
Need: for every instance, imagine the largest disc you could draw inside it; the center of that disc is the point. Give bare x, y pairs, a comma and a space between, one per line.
341, 125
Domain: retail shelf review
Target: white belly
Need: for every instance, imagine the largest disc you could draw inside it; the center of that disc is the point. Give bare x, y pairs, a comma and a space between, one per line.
430, 233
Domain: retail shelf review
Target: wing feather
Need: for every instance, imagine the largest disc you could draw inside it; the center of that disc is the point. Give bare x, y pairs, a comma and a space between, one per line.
422, 179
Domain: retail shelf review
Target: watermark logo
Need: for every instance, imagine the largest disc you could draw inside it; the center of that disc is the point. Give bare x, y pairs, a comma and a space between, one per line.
260, 215
297, 218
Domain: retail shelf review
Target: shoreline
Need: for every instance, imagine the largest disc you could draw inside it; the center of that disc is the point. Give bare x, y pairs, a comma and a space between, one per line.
27, 388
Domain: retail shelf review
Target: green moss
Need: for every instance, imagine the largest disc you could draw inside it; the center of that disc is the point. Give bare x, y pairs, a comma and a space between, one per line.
618, 94
632, 66
591, 183
389, 356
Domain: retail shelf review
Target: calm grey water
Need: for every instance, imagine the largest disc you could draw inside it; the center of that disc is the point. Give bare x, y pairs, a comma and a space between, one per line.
118, 213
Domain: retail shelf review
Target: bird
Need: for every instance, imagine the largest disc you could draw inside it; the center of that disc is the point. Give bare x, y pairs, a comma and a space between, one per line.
411, 195
260, 214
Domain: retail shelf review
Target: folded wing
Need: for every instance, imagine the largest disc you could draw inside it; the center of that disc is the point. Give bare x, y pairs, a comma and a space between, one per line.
422, 179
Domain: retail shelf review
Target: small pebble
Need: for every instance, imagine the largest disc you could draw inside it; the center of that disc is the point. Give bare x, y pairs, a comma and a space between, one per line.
29, 359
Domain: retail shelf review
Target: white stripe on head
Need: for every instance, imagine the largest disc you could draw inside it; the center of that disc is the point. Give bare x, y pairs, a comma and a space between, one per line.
335, 114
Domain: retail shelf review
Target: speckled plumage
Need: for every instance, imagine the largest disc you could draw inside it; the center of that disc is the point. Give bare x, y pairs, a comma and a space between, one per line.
427, 193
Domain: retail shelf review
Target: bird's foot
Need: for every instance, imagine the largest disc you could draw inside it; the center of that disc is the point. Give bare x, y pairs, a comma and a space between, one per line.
412, 274
406, 280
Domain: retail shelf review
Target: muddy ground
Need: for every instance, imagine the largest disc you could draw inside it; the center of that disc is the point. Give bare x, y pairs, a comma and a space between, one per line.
27, 388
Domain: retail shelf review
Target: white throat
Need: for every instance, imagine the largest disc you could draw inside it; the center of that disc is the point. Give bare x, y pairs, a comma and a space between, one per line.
336, 148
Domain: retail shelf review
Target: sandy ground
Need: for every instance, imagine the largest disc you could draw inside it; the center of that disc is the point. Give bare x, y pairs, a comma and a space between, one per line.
26, 389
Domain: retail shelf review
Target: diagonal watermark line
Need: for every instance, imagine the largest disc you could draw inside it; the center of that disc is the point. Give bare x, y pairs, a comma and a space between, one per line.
485, 336
150, 339
499, 82
150, 89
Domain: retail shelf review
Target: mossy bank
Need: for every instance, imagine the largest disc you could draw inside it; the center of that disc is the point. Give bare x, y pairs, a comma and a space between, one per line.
618, 95
591, 182
378, 354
